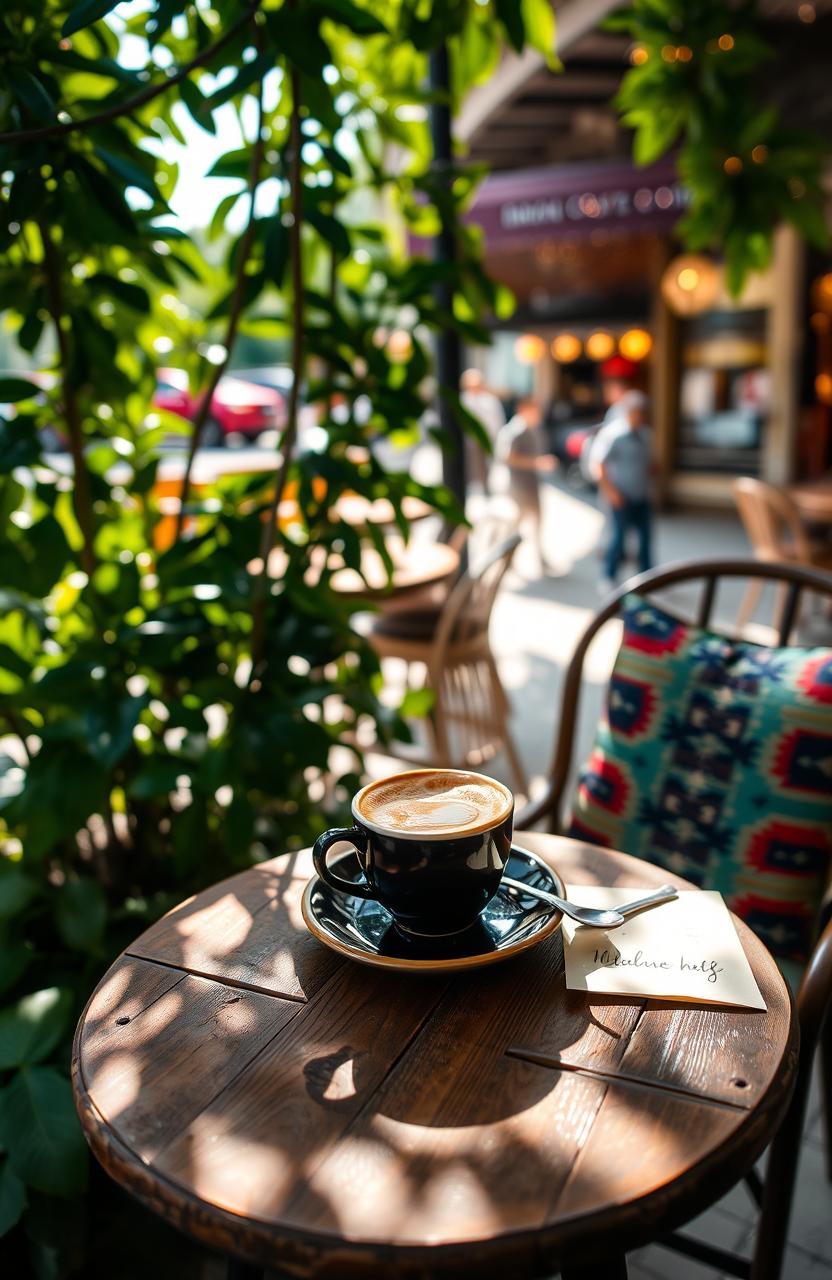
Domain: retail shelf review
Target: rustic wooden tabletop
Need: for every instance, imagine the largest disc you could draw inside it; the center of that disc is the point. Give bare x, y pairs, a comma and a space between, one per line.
306, 1113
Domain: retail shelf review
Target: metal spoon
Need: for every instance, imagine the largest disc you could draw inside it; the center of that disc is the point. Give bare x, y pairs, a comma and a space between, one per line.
597, 919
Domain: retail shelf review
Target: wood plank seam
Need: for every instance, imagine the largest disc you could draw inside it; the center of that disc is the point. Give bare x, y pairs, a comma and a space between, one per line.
558, 1064
229, 1084
218, 978
149, 1161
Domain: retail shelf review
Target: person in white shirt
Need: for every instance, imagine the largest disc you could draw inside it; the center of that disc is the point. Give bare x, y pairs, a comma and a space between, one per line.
488, 411
617, 376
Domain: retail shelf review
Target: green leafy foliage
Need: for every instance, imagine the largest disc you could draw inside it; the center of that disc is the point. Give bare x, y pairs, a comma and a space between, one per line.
167, 713
692, 85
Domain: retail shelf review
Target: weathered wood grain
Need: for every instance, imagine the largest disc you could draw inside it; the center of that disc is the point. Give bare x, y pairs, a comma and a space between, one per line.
342, 1122
154, 1070
448, 1160
254, 1144
247, 930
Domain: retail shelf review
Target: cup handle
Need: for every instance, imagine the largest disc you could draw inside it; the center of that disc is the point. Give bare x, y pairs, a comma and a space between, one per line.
356, 837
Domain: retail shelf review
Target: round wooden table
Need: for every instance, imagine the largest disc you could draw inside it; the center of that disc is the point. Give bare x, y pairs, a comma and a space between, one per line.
314, 1116
415, 566
361, 512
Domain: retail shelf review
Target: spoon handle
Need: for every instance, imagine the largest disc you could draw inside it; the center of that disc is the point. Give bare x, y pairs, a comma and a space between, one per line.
543, 894
666, 893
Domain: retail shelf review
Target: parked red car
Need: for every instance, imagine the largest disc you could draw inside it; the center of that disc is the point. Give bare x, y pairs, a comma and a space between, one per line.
238, 408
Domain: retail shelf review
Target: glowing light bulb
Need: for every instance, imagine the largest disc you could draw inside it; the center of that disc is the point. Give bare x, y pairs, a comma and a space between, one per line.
600, 345
635, 344
565, 348
529, 348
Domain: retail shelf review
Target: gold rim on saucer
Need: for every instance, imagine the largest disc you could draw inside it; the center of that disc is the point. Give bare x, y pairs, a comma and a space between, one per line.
363, 955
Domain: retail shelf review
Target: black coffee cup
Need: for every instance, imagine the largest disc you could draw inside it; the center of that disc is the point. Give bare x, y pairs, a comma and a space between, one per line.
435, 877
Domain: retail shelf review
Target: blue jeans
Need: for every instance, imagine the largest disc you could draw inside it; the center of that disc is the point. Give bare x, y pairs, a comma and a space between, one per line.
633, 515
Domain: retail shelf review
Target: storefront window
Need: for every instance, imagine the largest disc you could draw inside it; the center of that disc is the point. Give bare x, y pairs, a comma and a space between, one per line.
724, 394
505, 371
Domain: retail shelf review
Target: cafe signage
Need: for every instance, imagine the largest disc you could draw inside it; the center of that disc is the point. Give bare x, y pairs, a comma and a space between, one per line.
575, 200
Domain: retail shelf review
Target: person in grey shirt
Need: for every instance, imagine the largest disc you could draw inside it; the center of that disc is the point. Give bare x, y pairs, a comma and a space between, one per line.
522, 447
623, 454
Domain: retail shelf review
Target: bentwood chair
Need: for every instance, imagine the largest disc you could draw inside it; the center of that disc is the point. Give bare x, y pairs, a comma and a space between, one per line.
468, 721
415, 616
776, 533
775, 1197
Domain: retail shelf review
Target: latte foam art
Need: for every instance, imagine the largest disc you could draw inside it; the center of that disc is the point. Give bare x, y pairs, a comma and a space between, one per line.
434, 803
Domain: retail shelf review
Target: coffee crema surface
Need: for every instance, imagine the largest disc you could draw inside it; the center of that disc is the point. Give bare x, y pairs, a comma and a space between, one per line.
434, 802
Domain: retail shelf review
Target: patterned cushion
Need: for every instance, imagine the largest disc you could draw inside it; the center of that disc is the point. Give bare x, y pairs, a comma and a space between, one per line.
715, 761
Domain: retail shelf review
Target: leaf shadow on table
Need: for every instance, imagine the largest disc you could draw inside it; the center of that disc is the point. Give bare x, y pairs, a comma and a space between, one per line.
275, 1080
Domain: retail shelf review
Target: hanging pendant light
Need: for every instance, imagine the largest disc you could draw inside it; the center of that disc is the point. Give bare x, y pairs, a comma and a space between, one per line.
690, 284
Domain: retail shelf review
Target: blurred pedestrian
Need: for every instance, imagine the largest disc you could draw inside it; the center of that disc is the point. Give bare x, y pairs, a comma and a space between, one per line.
617, 377
486, 408
624, 456
522, 447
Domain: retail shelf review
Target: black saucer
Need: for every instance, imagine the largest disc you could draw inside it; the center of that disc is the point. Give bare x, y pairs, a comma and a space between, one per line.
364, 930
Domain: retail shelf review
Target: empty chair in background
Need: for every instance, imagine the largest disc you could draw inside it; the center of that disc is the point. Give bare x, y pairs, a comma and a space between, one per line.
776, 533
468, 721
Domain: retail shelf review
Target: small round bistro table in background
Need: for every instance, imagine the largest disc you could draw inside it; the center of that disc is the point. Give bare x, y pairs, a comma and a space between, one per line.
415, 565
307, 1114
813, 499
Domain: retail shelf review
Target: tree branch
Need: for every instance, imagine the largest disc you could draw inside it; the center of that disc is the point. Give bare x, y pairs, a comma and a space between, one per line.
60, 128
234, 314
81, 493
290, 431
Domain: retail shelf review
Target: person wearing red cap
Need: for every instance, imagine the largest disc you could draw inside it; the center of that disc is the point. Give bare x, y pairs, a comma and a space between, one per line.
617, 377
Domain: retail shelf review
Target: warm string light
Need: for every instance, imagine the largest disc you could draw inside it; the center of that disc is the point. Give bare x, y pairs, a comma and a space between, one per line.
822, 292
823, 387
600, 345
565, 348
635, 344
529, 348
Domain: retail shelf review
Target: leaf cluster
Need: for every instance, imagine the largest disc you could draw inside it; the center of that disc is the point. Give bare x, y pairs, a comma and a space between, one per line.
141, 757
696, 83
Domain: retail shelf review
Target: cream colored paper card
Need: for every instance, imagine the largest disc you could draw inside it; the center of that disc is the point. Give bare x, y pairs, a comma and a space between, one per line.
683, 950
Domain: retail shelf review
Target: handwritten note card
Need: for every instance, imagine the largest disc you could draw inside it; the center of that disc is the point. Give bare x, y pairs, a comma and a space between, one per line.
682, 950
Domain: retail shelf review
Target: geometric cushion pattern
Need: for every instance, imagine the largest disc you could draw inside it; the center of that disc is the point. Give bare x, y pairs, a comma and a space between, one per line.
714, 760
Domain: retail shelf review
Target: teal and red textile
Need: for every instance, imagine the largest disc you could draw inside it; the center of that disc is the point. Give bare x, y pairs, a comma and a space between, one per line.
715, 761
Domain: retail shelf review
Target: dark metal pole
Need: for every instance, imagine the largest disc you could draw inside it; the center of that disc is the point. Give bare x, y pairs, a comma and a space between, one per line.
448, 354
